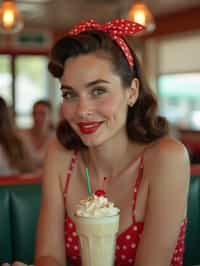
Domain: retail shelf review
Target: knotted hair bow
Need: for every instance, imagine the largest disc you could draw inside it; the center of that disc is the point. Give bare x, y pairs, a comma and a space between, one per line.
116, 28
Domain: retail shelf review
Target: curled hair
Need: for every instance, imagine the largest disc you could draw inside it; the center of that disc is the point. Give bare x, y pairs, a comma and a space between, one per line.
143, 123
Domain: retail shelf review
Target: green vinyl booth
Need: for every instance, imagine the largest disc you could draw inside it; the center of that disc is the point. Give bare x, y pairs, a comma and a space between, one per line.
192, 243
19, 210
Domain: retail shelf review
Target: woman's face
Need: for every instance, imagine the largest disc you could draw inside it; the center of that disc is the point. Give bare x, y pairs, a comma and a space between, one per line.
94, 102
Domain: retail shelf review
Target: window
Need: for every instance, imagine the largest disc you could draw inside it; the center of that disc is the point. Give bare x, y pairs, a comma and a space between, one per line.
31, 85
6, 78
180, 99
32, 82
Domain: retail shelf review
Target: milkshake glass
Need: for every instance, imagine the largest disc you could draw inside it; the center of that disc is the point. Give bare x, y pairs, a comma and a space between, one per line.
97, 231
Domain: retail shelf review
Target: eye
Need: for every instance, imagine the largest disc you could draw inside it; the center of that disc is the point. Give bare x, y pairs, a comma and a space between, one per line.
68, 94
98, 91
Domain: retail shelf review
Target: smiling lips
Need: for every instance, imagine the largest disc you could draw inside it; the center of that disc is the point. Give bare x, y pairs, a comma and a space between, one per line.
89, 127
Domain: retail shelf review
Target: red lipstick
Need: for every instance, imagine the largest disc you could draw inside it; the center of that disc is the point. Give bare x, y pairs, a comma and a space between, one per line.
89, 127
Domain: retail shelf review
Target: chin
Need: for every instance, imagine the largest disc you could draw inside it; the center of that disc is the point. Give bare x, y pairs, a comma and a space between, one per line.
94, 142
91, 141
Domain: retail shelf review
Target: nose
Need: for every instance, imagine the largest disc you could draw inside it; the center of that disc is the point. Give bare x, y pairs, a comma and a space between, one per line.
84, 108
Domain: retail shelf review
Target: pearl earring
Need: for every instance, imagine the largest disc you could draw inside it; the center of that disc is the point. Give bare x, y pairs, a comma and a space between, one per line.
130, 104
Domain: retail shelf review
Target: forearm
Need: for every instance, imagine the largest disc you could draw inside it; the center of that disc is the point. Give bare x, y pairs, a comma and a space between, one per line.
48, 260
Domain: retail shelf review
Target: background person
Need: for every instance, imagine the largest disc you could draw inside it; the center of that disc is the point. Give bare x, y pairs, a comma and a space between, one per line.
38, 136
14, 157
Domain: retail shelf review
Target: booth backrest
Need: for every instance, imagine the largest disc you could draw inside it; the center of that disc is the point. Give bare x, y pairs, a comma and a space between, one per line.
19, 205
192, 244
5, 227
19, 211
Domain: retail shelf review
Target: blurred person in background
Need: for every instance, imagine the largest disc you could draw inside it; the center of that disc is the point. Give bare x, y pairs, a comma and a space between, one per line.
38, 136
14, 157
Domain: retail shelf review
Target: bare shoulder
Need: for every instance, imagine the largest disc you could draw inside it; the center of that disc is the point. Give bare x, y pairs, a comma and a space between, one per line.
57, 157
167, 149
167, 155
56, 148
57, 152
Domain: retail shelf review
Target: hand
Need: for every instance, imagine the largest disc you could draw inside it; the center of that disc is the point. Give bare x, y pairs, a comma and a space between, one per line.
16, 263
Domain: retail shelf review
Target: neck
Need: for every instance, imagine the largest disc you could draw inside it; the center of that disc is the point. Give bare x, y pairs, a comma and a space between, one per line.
106, 160
40, 132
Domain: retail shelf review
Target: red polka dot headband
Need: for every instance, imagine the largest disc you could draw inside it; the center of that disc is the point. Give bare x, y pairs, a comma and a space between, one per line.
115, 28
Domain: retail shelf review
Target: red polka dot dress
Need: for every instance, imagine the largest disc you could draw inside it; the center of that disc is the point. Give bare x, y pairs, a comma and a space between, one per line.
126, 242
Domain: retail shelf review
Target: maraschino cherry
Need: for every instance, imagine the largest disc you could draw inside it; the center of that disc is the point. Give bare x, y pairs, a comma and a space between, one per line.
100, 193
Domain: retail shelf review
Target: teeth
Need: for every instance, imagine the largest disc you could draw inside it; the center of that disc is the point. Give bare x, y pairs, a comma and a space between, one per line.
88, 126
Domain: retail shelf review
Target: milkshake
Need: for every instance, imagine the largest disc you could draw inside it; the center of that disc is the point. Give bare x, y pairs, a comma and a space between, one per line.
97, 223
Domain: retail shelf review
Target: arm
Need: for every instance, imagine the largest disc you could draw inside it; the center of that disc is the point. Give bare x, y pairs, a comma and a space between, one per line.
50, 233
167, 169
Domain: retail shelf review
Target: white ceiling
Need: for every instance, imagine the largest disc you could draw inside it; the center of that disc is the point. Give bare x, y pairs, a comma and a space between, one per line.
61, 14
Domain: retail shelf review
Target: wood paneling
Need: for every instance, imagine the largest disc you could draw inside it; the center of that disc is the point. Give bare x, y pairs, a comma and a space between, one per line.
188, 20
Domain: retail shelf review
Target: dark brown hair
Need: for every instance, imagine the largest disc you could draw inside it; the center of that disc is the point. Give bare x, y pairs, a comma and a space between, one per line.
12, 145
143, 122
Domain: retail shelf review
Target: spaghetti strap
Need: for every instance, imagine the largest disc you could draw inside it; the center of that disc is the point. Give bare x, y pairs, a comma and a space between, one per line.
69, 171
139, 177
137, 182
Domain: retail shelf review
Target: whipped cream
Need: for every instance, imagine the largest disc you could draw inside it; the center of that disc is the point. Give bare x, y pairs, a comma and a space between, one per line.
96, 206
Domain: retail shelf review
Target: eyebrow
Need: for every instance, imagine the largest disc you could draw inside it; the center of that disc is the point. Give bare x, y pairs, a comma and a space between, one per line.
89, 84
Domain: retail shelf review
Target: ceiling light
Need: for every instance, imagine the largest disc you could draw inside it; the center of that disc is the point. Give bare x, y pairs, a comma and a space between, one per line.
10, 18
140, 13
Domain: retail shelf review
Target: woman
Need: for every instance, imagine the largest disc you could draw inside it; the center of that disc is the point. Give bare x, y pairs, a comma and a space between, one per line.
111, 127
14, 158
